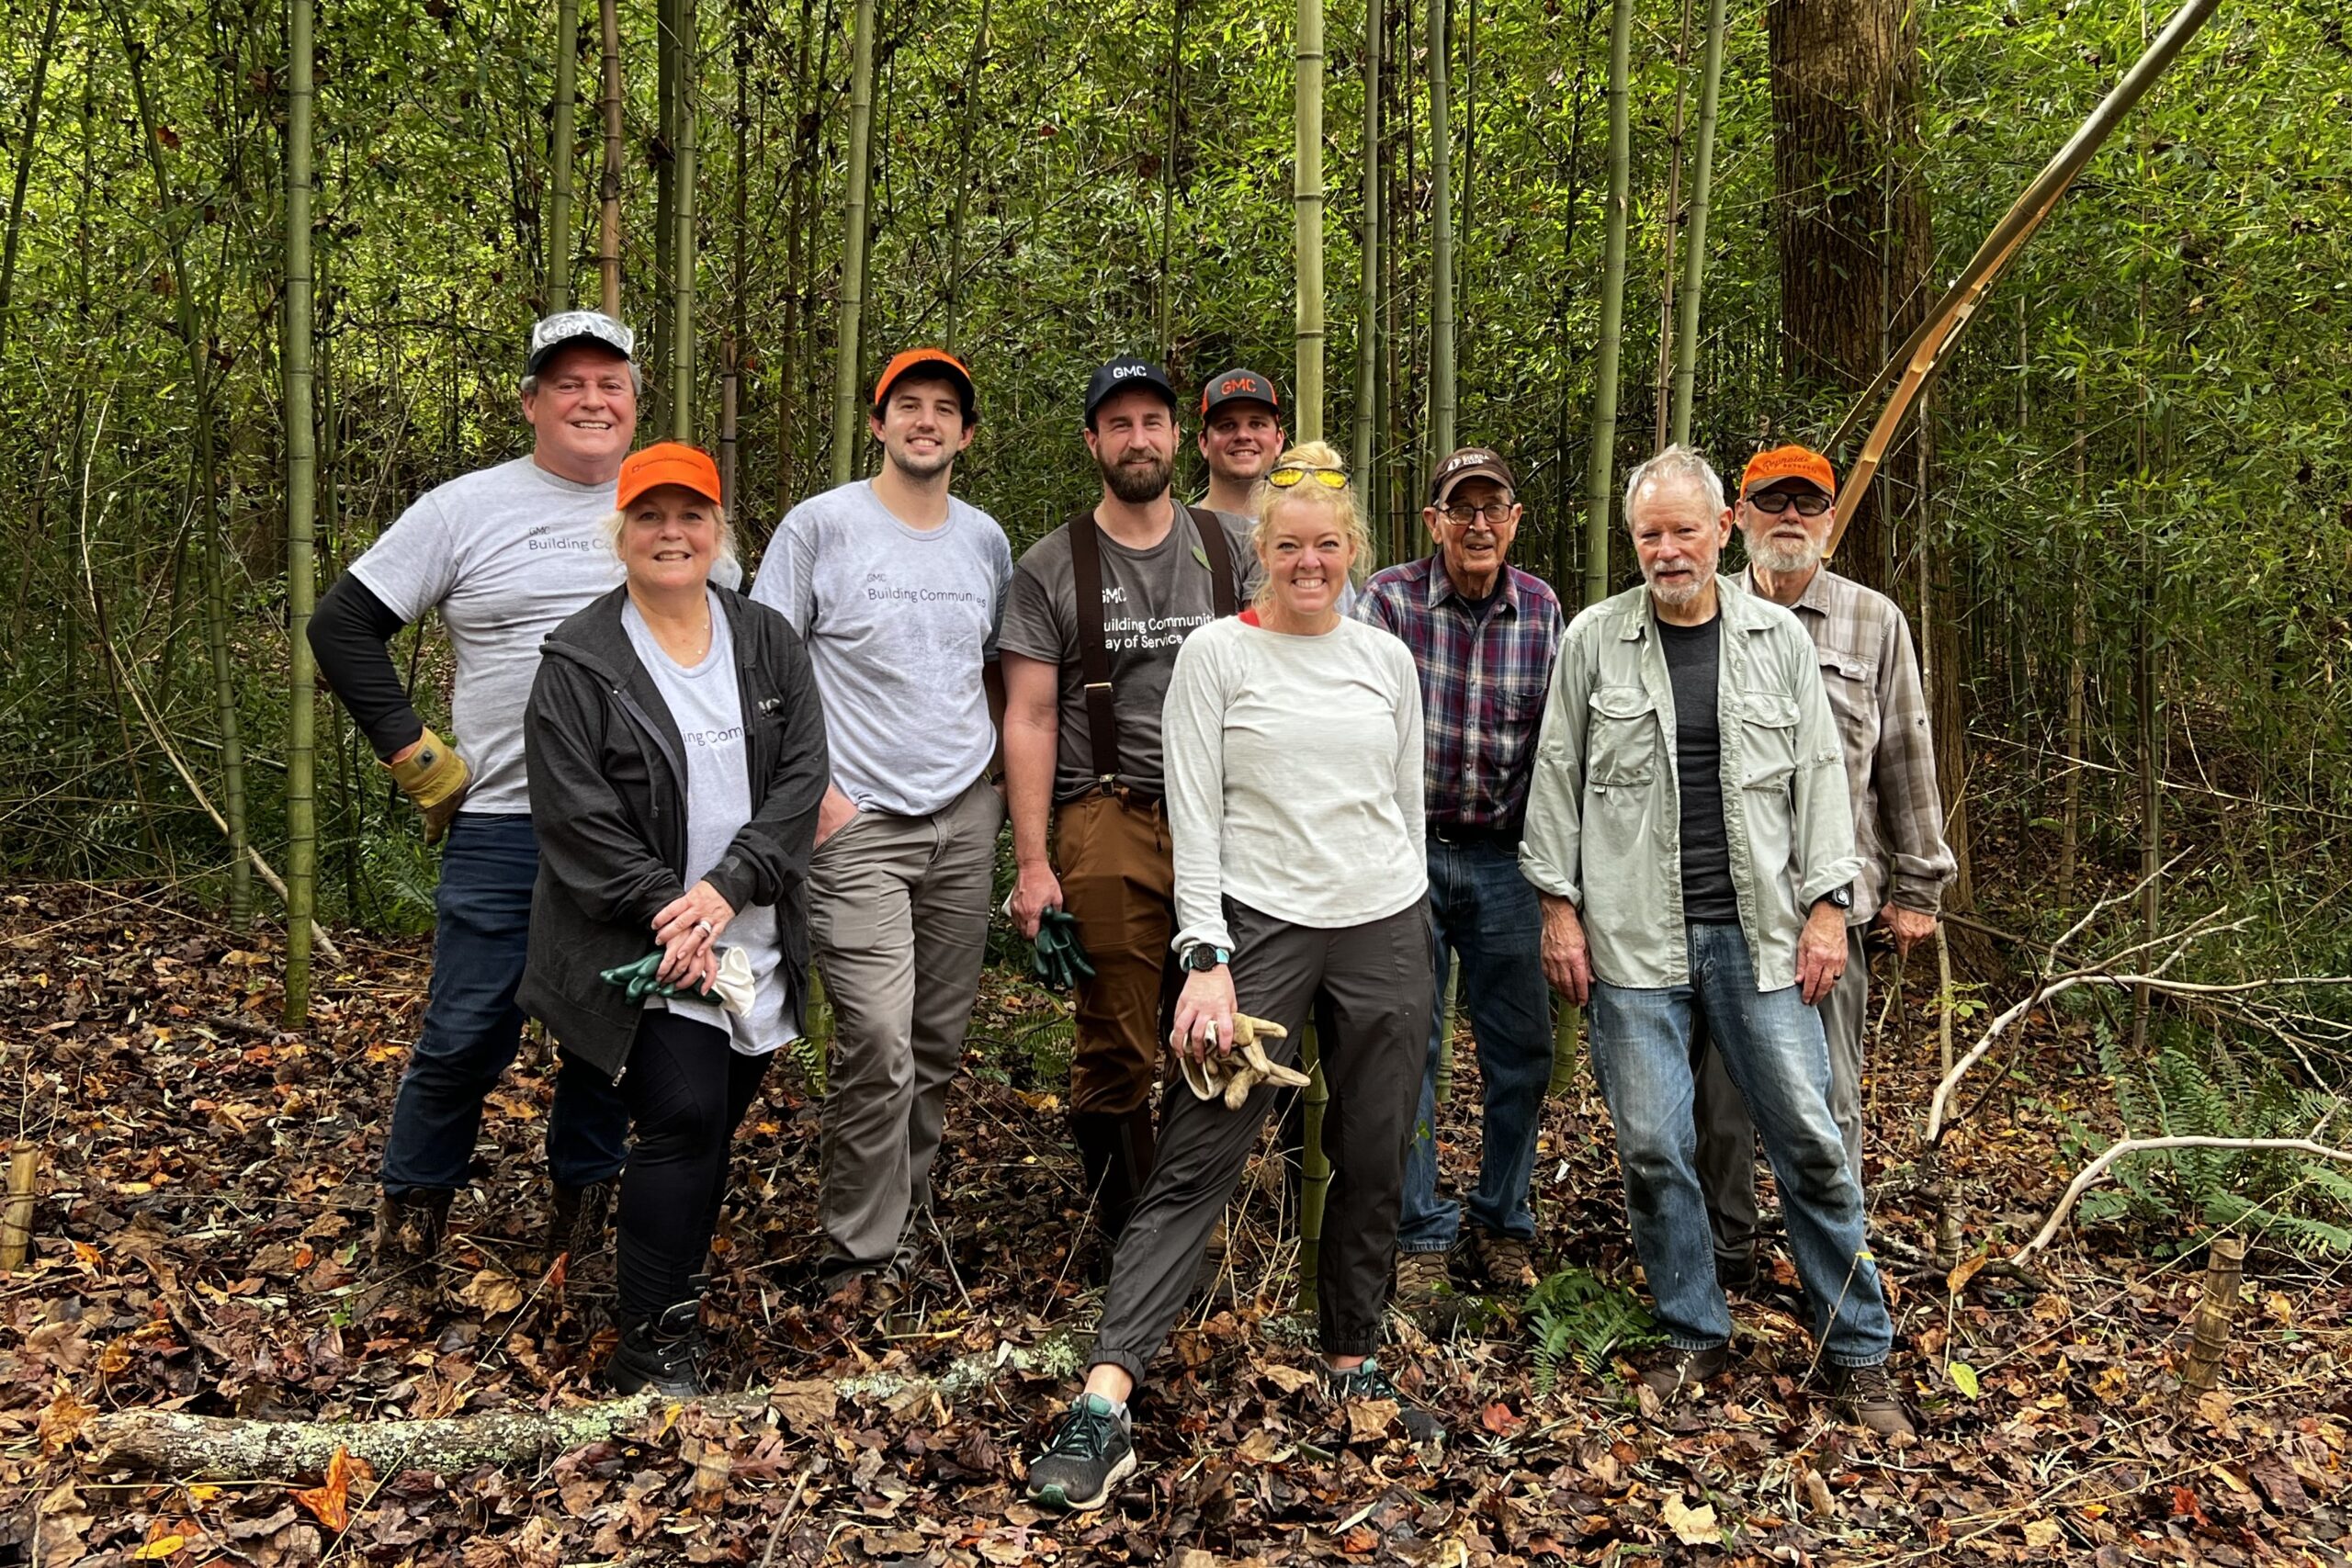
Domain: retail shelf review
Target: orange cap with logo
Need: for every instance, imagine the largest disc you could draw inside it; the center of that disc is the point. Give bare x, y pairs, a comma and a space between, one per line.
946, 365
667, 463
1788, 463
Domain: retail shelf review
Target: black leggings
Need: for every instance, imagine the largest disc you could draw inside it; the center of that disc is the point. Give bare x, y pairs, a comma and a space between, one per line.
686, 1091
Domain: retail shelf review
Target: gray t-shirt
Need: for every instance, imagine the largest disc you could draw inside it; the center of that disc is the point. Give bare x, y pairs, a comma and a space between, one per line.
1151, 601
1294, 777
1692, 656
707, 702
505, 554
898, 621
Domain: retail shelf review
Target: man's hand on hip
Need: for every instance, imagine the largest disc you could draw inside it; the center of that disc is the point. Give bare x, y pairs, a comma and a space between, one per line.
1567, 963
431, 774
835, 812
1909, 927
1821, 951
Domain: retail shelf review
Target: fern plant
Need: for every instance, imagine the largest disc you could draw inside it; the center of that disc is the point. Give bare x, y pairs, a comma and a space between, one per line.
2190, 1088
1575, 1315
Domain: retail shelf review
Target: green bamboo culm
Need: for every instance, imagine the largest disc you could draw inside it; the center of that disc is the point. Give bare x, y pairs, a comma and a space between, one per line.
1600, 471
682, 248
561, 139
1694, 239
1368, 291
1314, 1186
302, 516
1568, 1031
1445, 1038
1441, 329
815, 1049
1308, 217
846, 425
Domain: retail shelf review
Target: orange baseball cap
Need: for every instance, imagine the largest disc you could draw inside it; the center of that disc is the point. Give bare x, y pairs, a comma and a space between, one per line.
948, 364
667, 463
1788, 463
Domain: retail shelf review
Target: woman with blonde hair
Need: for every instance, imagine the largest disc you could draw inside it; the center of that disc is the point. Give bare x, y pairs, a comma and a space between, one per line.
1294, 756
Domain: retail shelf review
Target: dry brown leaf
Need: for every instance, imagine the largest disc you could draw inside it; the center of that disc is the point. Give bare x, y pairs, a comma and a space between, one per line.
329, 1501
492, 1292
1290, 1379
807, 1406
63, 1421
2044, 1534
1957, 1280
1370, 1418
1691, 1527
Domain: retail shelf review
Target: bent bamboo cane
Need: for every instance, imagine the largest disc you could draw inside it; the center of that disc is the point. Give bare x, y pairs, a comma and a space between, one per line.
1923, 352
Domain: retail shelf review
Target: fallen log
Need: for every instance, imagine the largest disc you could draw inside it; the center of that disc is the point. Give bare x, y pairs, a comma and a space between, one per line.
196, 1447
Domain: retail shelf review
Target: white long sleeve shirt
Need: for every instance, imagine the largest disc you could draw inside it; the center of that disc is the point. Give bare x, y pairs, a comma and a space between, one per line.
1294, 768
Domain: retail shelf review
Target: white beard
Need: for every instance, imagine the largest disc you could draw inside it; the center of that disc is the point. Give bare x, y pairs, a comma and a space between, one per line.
1775, 556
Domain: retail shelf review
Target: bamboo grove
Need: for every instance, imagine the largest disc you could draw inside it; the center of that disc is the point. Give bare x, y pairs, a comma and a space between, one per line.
266, 273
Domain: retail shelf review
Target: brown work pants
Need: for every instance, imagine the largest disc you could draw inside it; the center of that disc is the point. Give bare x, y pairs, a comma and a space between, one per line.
1112, 857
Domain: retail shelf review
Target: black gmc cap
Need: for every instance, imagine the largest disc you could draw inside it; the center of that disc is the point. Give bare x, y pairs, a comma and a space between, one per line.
1122, 374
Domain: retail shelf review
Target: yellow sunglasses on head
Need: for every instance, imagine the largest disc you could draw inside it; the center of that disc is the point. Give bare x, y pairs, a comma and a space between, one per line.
1290, 474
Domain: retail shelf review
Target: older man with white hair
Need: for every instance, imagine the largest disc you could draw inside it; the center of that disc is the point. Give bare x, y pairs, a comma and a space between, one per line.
1688, 834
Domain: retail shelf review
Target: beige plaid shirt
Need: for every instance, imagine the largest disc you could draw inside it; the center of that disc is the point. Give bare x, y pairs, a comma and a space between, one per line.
1873, 676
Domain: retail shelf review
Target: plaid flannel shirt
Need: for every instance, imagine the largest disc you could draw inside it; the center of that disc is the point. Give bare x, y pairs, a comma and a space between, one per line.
1873, 676
1483, 686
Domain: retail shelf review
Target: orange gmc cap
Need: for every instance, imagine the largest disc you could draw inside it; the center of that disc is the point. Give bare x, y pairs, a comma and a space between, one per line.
1788, 463
667, 463
948, 366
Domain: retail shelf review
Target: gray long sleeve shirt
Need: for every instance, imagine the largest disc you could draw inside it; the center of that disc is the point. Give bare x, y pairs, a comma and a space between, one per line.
1603, 814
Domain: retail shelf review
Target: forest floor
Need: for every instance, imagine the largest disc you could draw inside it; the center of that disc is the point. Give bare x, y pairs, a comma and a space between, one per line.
208, 1193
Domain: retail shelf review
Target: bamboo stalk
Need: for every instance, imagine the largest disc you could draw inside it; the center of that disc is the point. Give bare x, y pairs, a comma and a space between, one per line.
16, 1225
861, 158
1567, 1040
682, 246
1368, 293
1315, 1167
608, 179
301, 512
1445, 1037
2217, 1312
1308, 214
1599, 475
561, 138
1694, 239
1443, 394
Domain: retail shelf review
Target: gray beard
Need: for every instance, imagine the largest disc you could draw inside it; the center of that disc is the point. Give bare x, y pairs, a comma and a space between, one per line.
1778, 558
1677, 597
1135, 483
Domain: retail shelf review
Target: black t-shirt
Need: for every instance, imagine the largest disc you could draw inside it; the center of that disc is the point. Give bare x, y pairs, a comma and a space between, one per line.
1691, 656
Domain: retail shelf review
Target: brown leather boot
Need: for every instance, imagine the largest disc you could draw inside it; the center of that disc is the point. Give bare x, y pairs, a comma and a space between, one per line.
404, 1273
1115, 1149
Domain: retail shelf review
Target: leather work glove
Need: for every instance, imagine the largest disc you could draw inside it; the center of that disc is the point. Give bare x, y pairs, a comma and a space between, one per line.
1231, 1076
1059, 961
731, 988
435, 777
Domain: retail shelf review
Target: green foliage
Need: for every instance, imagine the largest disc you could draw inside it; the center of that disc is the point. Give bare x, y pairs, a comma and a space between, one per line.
1577, 1316
2194, 1087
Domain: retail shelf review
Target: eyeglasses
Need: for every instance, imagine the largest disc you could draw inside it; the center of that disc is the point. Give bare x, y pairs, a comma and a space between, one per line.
1290, 474
1772, 502
1496, 513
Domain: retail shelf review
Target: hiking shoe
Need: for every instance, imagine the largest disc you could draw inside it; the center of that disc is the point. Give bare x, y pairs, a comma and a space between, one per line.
576, 1231
1867, 1396
1669, 1372
1091, 1452
1739, 1275
661, 1353
1367, 1381
403, 1270
1507, 1262
1423, 1278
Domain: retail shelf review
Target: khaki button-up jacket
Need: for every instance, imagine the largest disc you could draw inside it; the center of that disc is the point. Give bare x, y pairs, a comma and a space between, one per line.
1604, 808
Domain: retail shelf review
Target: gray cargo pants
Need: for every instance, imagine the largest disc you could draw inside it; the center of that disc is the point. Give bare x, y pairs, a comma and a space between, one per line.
1376, 980
898, 921
1726, 1155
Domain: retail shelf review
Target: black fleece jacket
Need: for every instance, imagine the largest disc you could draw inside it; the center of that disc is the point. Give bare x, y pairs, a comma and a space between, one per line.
608, 803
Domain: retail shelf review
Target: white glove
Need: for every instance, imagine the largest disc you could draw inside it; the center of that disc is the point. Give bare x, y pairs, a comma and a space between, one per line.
1231, 1076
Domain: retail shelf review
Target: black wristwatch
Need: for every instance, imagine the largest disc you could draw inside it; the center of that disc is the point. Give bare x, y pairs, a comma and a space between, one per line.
1200, 957
1843, 897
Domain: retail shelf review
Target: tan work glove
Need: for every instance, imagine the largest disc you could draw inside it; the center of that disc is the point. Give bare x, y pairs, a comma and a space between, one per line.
434, 776
1231, 1076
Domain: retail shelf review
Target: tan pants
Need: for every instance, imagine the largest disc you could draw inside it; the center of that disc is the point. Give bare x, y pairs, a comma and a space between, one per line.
1112, 857
898, 918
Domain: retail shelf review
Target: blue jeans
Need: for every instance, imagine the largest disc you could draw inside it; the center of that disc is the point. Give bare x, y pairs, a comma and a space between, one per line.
472, 1027
1772, 1046
1482, 908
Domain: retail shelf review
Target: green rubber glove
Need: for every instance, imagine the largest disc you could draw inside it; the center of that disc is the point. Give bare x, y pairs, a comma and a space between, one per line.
1060, 960
637, 979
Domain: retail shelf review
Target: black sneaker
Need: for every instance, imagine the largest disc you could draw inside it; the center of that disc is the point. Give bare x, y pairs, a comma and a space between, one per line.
1089, 1453
662, 1353
1669, 1372
1866, 1396
1367, 1381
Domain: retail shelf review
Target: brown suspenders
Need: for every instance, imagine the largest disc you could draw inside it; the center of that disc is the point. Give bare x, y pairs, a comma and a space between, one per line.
1094, 651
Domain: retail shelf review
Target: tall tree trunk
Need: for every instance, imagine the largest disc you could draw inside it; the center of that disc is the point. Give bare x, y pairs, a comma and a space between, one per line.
1694, 239
1367, 398
684, 113
1600, 461
966, 131
1852, 222
1164, 334
301, 580
24, 166
1442, 389
195, 337
1307, 198
609, 220
560, 148
845, 348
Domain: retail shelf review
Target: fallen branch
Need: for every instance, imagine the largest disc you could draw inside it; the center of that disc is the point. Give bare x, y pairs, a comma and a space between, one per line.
2098, 1169
194, 1447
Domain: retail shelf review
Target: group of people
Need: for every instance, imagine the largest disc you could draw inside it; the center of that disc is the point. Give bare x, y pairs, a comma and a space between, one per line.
1260, 790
